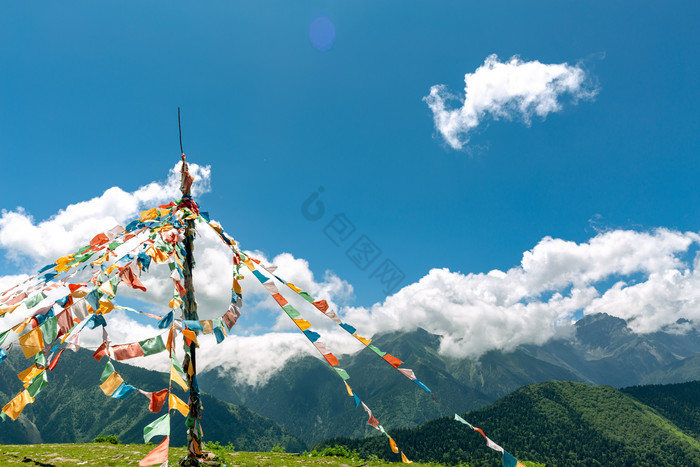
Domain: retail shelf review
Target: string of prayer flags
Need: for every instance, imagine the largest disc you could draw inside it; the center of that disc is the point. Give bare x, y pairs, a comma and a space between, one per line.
304, 325
322, 306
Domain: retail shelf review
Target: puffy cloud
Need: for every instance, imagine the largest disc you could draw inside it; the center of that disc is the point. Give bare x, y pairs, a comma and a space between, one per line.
653, 287
508, 89
72, 227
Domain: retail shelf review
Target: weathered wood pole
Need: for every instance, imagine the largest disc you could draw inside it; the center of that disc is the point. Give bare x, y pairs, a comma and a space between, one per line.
189, 307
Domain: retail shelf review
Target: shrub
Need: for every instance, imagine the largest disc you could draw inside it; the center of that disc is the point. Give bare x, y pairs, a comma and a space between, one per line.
219, 450
335, 451
111, 439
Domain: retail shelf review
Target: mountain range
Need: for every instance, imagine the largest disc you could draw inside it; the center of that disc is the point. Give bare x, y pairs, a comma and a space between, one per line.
308, 399
305, 403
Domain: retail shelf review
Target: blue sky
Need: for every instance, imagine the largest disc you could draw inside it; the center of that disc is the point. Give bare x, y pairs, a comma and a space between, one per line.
90, 93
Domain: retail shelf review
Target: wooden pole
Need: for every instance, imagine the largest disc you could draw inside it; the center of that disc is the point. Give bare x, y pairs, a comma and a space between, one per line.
189, 307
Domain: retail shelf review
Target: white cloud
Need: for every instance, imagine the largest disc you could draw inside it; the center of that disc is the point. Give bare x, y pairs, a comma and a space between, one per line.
44, 241
508, 89
532, 303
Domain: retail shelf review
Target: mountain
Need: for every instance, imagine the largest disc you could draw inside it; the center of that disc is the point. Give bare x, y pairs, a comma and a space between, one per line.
308, 399
606, 351
687, 369
559, 424
72, 408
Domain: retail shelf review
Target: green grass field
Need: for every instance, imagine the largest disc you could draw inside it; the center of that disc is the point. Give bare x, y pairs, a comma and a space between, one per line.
118, 455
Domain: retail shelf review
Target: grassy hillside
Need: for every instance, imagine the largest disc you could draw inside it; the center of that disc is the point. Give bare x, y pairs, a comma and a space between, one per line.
556, 423
102, 455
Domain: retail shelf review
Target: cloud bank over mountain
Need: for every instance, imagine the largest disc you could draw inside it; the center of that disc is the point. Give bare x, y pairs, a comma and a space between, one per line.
649, 278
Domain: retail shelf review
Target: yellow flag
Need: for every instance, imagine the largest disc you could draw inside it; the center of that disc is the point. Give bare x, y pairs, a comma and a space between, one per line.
32, 342
8, 309
62, 263
302, 323
404, 459
101, 259
394, 447
106, 288
293, 287
79, 293
157, 255
16, 405
364, 340
29, 374
105, 307
176, 403
149, 214
109, 270
520, 464
175, 376
111, 384
347, 386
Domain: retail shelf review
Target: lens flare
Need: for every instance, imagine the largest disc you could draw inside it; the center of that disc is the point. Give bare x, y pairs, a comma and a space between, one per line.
322, 34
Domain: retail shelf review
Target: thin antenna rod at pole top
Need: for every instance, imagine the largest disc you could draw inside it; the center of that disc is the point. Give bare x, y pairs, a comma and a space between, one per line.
179, 128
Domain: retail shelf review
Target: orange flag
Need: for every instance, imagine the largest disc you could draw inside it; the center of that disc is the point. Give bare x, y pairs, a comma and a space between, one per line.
394, 447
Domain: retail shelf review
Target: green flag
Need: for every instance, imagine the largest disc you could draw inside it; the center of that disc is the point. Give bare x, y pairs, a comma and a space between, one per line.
153, 345
160, 426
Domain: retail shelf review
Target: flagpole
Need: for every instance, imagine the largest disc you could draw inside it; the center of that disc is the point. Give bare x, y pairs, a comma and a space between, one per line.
189, 308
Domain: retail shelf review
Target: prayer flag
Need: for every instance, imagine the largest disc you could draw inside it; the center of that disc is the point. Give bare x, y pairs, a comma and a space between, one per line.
16, 405
394, 447
32, 342
176, 403
123, 391
175, 377
111, 384
157, 400
127, 351
152, 346
159, 455
160, 426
